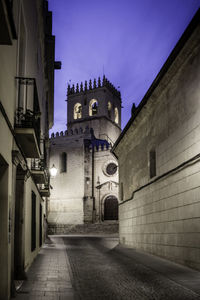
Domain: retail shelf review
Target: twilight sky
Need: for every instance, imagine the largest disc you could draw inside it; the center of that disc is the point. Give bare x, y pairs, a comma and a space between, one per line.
129, 39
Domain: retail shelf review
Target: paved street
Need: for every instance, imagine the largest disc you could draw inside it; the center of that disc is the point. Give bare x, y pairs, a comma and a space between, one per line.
96, 268
103, 272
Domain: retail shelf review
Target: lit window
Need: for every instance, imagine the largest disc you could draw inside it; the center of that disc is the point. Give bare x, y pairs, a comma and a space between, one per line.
116, 115
93, 107
77, 111
109, 109
63, 162
152, 163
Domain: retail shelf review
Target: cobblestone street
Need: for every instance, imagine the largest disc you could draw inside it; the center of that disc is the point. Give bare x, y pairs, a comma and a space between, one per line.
103, 271
94, 267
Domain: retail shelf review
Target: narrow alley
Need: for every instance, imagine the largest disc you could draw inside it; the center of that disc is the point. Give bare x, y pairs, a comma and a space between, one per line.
94, 267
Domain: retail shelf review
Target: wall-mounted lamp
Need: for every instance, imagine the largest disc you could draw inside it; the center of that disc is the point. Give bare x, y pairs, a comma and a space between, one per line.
87, 180
53, 171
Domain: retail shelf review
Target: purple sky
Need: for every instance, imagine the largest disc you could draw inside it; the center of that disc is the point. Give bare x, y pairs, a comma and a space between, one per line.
129, 39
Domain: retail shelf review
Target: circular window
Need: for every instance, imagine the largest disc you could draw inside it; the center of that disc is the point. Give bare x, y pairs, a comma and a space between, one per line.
110, 168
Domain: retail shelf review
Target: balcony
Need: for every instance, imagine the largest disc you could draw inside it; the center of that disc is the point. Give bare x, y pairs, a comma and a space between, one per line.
45, 190
7, 32
27, 118
39, 171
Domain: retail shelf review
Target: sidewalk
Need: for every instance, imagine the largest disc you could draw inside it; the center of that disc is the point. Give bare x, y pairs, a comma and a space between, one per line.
49, 276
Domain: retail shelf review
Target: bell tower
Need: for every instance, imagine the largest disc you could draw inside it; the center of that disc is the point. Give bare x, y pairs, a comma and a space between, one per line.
95, 105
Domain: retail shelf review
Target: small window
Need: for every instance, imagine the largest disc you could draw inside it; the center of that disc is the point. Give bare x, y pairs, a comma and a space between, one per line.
116, 115
109, 109
93, 107
122, 191
77, 111
152, 163
63, 162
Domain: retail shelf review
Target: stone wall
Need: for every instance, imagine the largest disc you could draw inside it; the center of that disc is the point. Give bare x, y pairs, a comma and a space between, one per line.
66, 201
164, 219
161, 215
71, 199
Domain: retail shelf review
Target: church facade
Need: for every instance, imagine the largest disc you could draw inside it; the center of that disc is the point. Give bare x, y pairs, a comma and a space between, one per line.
85, 189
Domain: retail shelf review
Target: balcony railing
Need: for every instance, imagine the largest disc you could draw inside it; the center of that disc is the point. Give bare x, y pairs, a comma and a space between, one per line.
28, 113
28, 119
45, 189
37, 164
39, 171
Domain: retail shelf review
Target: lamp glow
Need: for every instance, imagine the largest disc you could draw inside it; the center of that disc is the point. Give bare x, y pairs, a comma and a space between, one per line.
53, 171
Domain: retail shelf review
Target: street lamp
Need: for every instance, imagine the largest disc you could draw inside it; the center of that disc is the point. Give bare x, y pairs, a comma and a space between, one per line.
53, 171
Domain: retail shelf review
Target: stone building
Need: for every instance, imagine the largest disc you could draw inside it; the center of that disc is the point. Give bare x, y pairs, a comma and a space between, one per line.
159, 160
85, 188
26, 114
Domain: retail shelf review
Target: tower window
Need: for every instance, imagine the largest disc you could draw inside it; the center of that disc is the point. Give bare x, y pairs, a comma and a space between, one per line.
93, 107
109, 109
63, 162
77, 111
152, 163
116, 115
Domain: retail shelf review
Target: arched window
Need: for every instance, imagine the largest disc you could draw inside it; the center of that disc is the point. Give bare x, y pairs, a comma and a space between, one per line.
116, 115
63, 162
93, 107
109, 109
77, 111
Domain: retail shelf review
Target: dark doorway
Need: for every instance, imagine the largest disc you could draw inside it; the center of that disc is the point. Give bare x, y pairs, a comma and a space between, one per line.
19, 225
33, 222
40, 241
4, 229
111, 208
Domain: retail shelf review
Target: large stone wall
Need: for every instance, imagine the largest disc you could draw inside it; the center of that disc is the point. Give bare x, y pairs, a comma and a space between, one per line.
66, 202
164, 219
162, 216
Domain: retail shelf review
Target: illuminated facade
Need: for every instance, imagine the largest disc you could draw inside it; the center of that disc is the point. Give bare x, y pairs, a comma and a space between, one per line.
26, 114
158, 155
85, 189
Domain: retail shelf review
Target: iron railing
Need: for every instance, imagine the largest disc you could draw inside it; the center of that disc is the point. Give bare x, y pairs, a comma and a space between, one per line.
28, 112
38, 164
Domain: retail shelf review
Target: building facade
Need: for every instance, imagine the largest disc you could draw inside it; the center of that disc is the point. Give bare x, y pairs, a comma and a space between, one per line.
85, 188
158, 156
26, 114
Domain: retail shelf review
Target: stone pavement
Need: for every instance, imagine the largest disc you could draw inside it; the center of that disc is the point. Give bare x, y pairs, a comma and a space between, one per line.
102, 270
184, 276
49, 276
99, 268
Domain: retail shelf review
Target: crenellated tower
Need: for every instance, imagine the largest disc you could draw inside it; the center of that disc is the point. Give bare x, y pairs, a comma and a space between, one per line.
95, 105
85, 189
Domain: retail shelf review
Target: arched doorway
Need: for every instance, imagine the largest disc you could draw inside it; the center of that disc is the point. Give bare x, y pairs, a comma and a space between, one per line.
111, 208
